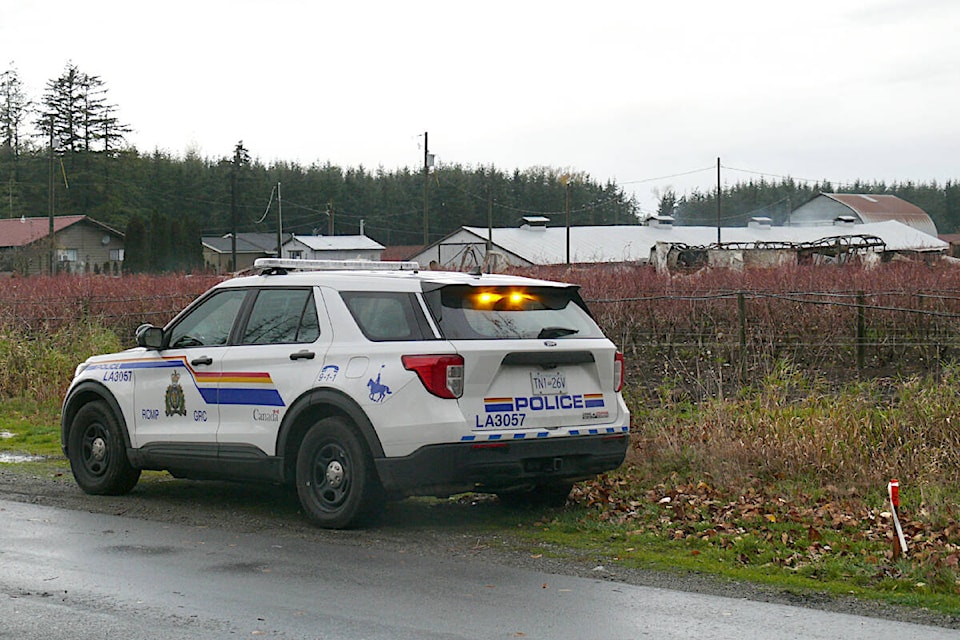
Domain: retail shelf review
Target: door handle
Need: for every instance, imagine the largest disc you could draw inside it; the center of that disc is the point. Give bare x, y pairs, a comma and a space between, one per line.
303, 355
201, 360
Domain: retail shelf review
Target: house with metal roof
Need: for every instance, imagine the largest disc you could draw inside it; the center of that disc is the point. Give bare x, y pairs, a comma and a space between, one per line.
218, 250
534, 243
862, 208
359, 247
79, 244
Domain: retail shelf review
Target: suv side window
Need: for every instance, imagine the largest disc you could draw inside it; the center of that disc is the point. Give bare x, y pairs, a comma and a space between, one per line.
383, 316
282, 316
210, 323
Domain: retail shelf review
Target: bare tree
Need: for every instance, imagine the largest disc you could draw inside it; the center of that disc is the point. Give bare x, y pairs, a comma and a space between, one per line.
14, 108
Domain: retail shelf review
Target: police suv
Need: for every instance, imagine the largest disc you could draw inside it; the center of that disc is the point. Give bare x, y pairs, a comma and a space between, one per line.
355, 382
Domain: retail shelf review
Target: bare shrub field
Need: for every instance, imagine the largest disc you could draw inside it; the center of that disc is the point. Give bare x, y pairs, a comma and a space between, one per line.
710, 333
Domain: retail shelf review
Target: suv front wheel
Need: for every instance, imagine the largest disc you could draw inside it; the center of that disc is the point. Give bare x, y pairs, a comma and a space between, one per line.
336, 480
98, 456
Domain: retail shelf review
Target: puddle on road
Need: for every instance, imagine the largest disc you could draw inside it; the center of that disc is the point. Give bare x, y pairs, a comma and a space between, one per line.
16, 458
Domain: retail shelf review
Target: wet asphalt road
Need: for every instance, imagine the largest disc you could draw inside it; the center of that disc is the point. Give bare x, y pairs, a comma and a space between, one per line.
71, 574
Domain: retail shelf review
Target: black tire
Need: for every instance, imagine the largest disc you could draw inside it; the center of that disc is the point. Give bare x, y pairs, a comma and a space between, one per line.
336, 480
550, 494
98, 453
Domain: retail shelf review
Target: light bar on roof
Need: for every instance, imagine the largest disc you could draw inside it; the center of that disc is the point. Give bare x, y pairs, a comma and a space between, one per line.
335, 265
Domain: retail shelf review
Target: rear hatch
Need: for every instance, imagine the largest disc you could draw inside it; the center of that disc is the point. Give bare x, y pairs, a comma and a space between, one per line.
534, 359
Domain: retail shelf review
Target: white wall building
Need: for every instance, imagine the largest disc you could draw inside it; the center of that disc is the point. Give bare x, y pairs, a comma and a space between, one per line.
533, 243
332, 248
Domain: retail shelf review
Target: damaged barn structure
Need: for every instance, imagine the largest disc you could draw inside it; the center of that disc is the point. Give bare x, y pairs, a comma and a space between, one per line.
829, 229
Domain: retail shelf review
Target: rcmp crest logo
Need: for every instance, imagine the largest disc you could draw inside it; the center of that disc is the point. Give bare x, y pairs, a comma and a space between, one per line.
175, 402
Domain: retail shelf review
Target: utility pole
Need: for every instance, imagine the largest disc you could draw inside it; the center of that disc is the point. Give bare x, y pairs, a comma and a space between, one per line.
566, 184
719, 193
330, 218
279, 223
50, 197
426, 185
490, 215
233, 212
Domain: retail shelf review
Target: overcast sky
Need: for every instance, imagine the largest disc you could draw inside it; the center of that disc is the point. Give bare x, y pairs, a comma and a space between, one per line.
632, 90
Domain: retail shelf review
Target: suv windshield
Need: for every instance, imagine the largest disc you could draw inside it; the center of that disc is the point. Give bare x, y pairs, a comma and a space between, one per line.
505, 313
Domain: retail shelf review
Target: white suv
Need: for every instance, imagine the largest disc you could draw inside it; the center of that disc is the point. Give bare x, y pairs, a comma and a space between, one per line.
356, 382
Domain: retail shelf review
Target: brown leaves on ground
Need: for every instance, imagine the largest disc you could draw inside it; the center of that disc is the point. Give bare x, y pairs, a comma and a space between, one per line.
799, 527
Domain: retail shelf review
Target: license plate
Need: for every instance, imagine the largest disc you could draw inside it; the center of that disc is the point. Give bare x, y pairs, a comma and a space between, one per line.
552, 383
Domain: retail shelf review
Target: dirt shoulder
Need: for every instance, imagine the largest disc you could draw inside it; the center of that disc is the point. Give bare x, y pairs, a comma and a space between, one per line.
466, 528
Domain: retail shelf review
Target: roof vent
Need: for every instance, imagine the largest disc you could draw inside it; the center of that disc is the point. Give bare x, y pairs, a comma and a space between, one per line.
760, 222
661, 221
534, 223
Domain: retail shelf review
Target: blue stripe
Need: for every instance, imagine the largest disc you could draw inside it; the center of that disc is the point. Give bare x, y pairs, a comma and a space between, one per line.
502, 406
590, 404
159, 364
264, 397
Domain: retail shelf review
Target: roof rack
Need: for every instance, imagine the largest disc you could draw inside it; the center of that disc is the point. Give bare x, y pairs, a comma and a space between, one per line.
334, 265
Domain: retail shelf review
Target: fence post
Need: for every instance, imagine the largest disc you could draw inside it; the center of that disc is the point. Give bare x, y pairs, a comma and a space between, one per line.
861, 331
742, 313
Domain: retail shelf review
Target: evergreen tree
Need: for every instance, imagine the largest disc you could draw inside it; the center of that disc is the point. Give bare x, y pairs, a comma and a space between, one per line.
135, 259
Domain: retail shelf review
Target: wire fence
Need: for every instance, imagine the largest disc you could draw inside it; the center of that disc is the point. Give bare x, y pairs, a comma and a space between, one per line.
713, 344
703, 342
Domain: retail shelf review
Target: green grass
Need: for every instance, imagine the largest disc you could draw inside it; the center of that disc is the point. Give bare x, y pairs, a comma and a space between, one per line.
577, 532
784, 485
30, 428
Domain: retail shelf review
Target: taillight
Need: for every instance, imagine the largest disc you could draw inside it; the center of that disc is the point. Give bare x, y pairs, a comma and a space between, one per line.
619, 372
442, 375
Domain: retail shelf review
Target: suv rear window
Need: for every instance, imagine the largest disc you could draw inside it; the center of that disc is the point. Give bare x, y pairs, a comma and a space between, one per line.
506, 313
386, 316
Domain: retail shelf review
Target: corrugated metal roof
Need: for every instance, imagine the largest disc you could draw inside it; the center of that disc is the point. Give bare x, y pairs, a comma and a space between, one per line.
338, 243
249, 242
883, 207
19, 232
633, 243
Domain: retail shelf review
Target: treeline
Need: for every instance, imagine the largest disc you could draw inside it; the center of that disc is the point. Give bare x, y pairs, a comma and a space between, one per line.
165, 197
70, 146
68, 153
777, 199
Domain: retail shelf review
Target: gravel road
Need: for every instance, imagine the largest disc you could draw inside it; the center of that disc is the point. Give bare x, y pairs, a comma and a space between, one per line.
456, 528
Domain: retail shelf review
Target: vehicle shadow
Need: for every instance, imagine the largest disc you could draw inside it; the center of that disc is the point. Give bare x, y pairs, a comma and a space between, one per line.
256, 507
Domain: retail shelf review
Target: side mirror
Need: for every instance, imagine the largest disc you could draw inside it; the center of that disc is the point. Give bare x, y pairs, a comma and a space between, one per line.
149, 336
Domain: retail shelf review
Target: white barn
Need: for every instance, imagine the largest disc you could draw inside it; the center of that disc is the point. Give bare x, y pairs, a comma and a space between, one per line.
332, 248
533, 243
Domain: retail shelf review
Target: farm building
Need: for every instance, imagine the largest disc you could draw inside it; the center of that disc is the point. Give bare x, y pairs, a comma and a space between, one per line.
218, 250
534, 243
862, 209
80, 245
358, 247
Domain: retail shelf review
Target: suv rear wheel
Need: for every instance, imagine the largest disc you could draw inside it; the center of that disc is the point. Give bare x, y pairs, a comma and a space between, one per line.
98, 455
336, 480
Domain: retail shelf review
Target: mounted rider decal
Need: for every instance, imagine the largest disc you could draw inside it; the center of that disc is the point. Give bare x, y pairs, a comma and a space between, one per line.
378, 391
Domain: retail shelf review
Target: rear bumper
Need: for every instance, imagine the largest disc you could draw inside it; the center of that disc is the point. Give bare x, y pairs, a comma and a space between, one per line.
444, 469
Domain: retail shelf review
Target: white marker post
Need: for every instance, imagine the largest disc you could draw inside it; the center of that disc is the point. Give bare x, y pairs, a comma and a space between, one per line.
893, 489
